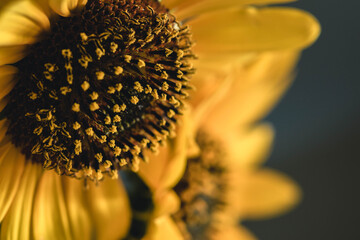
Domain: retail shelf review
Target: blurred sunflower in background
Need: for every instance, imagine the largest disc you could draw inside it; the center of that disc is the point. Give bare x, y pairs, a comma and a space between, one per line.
90, 89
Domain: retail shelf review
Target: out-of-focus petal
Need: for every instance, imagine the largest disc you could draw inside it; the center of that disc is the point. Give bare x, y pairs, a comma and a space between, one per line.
234, 31
17, 223
7, 81
110, 209
11, 170
166, 202
20, 23
188, 9
49, 215
11, 54
264, 193
163, 228
232, 232
165, 169
64, 7
75, 199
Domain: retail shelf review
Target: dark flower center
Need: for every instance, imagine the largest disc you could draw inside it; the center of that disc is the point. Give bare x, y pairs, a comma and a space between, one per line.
201, 190
100, 87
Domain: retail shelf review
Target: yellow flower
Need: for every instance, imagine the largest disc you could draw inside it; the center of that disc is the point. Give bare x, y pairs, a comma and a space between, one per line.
94, 73
246, 59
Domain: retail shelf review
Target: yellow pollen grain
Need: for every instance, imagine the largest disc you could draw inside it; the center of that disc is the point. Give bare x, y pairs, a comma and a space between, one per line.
107, 164
75, 107
141, 63
118, 70
137, 150
126, 148
155, 94
180, 54
117, 118
112, 143
85, 85
164, 75
99, 53
78, 147
178, 87
99, 175
114, 174
113, 47
148, 89
33, 96
118, 87
94, 106
107, 120
168, 52
76, 126
100, 75
116, 108
99, 157
88, 171
134, 100
123, 107
117, 151
113, 129
103, 139
165, 86
65, 90
89, 131
158, 67
94, 96
122, 162
171, 113
162, 122
127, 58
111, 90
163, 96
144, 142
138, 86
84, 37
180, 74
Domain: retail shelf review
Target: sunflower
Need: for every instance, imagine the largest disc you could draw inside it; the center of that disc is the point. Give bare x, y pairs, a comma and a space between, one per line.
89, 87
223, 182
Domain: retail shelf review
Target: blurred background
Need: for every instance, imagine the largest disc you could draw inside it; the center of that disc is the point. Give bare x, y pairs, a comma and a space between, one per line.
318, 131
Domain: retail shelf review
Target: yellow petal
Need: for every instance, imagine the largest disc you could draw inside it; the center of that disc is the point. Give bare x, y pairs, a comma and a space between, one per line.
7, 81
50, 218
251, 147
187, 9
265, 193
249, 29
234, 232
166, 202
163, 228
21, 22
78, 211
110, 209
11, 54
3, 129
11, 169
64, 7
165, 169
252, 92
17, 223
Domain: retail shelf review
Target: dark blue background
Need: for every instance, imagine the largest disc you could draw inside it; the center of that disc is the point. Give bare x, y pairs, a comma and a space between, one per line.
318, 131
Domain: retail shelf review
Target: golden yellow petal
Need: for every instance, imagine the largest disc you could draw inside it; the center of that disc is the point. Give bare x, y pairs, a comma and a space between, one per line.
251, 93
11, 169
166, 202
3, 129
110, 209
163, 228
187, 9
264, 193
64, 7
233, 31
50, 218
17, 223
234, 232
7, 81
251, 147
78, 211
11, 54
165, 169
20, 23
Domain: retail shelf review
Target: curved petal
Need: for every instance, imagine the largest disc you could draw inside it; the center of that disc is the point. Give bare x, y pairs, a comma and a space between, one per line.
50, 219
7, 81
110, 209
11, 170
64, 7
78, 212
11, 54
188, 9
265, 193
17, 223
163, 228
21, 22
165, 169
233, 31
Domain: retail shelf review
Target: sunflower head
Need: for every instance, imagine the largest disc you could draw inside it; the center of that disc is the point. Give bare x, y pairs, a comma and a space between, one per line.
99, 87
